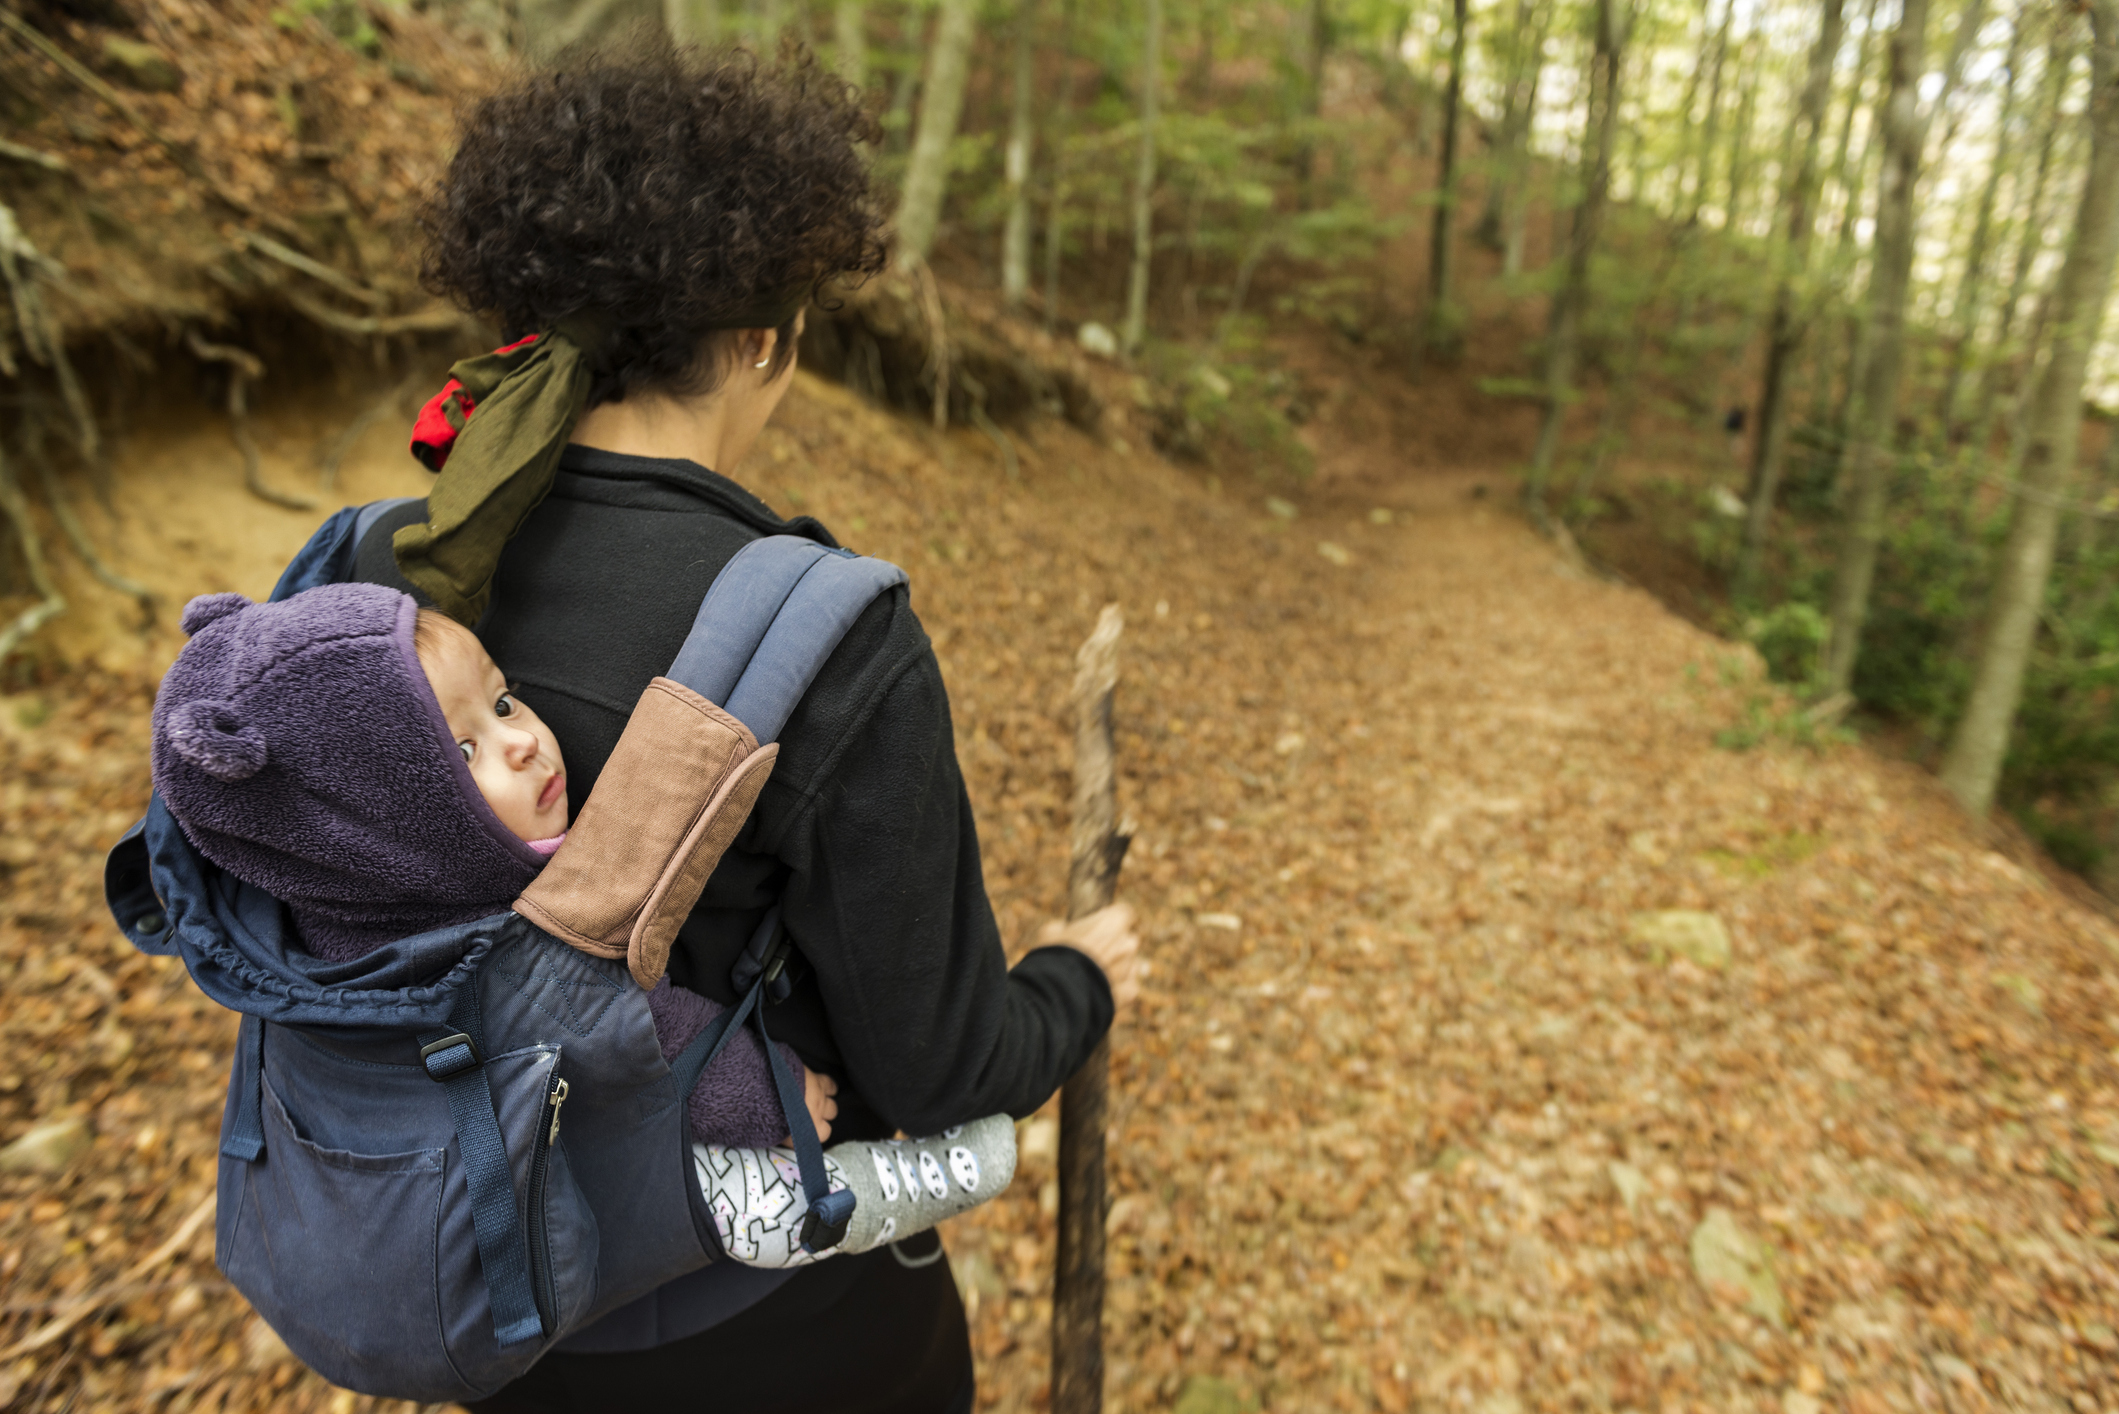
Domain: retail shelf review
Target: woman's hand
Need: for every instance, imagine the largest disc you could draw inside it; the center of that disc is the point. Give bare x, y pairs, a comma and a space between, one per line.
819, 1090
1108, 936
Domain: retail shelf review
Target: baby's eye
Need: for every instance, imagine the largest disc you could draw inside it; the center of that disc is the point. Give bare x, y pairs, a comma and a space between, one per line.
504, 705
468, 749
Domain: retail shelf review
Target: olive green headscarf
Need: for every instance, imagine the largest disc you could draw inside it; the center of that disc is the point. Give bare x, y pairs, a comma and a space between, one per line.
500, 464
527, 398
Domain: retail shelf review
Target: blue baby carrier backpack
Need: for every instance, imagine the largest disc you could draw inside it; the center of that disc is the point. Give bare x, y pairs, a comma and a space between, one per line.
443, 1159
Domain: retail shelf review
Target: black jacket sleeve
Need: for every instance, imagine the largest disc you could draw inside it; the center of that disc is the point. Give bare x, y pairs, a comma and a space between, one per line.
887, 903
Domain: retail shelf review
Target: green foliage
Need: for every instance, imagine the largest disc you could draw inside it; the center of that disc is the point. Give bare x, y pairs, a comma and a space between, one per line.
1774, 716
1200, 407
345, 20
1933, 580
1791, 638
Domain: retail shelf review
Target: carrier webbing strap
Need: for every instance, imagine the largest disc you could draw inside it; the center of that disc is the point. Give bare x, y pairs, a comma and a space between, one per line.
245, 1136
456, 1059
768, 948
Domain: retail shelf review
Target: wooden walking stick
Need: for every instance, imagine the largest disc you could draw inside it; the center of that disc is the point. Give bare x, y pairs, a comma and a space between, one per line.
1097, 846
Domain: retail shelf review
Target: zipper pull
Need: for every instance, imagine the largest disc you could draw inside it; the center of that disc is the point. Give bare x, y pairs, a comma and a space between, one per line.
559, 1097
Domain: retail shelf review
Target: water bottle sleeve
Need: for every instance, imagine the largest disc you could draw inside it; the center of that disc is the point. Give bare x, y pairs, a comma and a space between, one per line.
901, 1187
905, 1186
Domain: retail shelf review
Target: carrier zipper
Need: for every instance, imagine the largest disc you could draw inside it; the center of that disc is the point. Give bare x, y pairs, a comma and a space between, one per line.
540, 1234
558, 1098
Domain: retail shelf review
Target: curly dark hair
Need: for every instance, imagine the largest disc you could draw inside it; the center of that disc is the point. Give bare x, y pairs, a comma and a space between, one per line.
664, 192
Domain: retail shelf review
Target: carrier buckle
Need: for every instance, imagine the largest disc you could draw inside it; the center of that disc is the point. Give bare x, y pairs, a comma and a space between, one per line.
824, 1225
450, 1057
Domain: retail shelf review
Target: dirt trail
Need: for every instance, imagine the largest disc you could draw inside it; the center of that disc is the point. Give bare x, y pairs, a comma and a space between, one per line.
1407, 1118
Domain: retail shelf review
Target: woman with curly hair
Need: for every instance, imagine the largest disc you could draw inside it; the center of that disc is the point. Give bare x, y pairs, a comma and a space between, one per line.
659, 222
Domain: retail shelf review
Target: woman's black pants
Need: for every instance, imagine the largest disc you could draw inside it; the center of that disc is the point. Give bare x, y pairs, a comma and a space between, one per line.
883, 1338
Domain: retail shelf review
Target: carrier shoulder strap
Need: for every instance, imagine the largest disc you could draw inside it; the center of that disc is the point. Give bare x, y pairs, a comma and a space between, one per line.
698, 749
772, 617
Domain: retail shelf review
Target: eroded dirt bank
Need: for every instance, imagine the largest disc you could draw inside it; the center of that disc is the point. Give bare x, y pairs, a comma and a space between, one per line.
1412, 1115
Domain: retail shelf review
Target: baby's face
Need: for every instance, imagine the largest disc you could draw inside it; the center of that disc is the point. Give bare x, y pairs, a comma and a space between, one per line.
512, 754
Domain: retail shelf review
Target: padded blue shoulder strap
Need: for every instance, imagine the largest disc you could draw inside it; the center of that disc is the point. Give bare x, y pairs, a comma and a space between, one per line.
774, 614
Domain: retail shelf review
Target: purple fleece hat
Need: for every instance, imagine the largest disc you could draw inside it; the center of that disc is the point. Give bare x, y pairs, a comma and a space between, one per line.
301, 749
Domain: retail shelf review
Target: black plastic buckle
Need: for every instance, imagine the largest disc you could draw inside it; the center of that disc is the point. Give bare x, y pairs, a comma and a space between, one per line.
824, 1225
771, 969
440, 1066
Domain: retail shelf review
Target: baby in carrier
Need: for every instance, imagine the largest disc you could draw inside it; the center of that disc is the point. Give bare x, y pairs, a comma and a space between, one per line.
364, 761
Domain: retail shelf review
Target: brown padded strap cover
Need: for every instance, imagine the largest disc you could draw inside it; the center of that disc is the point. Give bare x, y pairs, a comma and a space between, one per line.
677, 788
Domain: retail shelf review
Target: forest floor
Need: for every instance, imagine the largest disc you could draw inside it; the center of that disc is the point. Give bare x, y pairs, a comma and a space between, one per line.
1428, 1103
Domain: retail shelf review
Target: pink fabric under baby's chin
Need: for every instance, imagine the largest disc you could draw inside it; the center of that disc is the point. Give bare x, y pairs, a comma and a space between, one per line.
546, 847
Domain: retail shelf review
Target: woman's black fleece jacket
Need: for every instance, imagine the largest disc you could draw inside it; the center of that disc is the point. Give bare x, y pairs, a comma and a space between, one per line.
863, 833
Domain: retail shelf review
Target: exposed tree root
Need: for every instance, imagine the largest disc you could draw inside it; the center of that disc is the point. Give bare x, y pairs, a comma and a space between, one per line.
50, 603
186, 161
987, 425
332, 455
30, 156
77, 535
435, 319
244, 367
937, 338
315, 269
880, 341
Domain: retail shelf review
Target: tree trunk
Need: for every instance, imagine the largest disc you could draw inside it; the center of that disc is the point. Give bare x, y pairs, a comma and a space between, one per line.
1515, 210
1861, 335
1848, 179
1056, 168
1201, 81
849, 36
1791, 319
1568, 303
1502, 157
1972, 288
1312, 44
1712, 128
1442, 335
1136, 330
1015, 238
1904, 128
942, 103
2029, 244
1972, 766
1740, 135
1688, 234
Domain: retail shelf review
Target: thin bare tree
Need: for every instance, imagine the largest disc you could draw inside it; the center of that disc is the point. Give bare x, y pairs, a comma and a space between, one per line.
1563, 338
1136, 329
941, 106
1501, 220
1441, 332
1791, 312
2031, 219
1015, 237
1903, 123
1971, 290
1056, 165
849, 38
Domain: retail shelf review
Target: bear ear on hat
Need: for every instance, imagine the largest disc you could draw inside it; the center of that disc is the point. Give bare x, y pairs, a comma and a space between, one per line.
213, 738
212, 608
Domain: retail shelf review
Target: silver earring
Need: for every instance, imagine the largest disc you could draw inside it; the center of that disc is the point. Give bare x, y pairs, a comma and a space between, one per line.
762, 362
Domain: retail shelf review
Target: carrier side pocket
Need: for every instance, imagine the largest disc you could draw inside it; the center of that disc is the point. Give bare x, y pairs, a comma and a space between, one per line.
336, 1250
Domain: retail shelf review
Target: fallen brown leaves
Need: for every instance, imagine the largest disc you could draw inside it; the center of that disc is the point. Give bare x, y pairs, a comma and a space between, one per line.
1405, 1119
